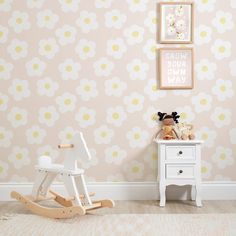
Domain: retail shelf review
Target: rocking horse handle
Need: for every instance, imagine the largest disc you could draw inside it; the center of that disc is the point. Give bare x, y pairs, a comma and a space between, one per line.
65, 146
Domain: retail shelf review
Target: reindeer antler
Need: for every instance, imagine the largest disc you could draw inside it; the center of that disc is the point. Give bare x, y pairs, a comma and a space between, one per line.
161, 115
175, 117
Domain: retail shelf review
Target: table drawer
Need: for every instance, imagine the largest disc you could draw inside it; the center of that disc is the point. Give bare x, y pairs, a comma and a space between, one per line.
180, 171
180, 152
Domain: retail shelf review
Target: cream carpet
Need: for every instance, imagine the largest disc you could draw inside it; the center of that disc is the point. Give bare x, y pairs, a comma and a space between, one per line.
121, 224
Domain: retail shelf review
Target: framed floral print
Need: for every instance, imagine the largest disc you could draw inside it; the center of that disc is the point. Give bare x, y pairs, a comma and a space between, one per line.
176, 68
176, 22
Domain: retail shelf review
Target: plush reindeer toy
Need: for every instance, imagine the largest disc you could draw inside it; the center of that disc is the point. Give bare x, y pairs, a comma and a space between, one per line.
167, 130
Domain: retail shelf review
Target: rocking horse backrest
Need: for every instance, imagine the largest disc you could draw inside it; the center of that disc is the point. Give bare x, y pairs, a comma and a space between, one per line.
78, 152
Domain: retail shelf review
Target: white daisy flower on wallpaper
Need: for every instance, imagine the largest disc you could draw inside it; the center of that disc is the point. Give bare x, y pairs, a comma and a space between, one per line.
69, 6
206, 134
3, 34
69, 69
17, 49
222, 178
202, 34
3, 102
221, 117
5, 137
152, 91
115, 155
134, 102
66, 34
118, 177
202, 102
103, 3
47, 87
115, 87
18, 179
232, 66
17, 117
149, 117
134, 170
137, 137
223, 89
115, 19
116, 116
66, 102
186, 114
103, 135
35, 135
5, 69
223, 21
206, 5
137, 69
87, 21
151, 21
88, 164
137, 6
48, 48
179, 92
5, 5
85, 117
233, 3
134, 34
221, 49
48, 115
19, 21
3, 168
67, 134
150, 49
116, 48
87, 89
205, 69
103, 67
48, 150
19, 89
35, 3
232, 134
150, 157
206, 169
35, 67
223, 157
85, 49
19, 157
47, 19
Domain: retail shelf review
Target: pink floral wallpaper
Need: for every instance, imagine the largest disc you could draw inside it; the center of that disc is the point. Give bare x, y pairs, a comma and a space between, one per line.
68, 65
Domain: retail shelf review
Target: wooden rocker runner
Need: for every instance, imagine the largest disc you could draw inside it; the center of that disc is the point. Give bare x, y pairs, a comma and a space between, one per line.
73, 177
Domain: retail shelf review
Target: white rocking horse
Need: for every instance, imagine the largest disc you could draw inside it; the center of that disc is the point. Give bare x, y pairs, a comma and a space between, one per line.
73, 178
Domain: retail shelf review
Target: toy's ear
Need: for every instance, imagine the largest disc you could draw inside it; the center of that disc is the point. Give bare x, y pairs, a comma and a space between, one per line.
161, 115
175, 116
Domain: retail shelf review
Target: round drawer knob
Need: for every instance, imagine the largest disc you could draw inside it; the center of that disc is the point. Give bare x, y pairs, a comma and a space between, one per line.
180, 152
180, 171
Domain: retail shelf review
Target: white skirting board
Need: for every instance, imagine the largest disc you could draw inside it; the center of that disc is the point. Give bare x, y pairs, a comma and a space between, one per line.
134, 190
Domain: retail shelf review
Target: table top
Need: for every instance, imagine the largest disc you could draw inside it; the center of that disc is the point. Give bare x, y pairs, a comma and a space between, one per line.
178, 141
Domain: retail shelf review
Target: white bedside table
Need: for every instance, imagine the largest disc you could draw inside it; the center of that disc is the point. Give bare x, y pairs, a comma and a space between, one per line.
179, 163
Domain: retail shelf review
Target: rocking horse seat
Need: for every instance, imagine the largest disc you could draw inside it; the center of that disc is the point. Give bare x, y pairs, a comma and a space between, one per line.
57, 168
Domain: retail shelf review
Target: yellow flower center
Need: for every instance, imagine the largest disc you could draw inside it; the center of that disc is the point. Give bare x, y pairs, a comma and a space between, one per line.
115, 116
18, 116
135, 101
47, 86
222, 20
48, 115
35, 66
47, 47
19, 20
183, 115
87, 88
67, 102
154, 157
46, 18
115, 86
1, 68
67, 34
115, 154
204, 68
136, 136
222, 49
203, 102
35, 134
203, 34
137, 68
86, 49
205, 136
221, 117
1, 169
1, 33
69, 136
103, 66
154, 88
87, 21
222, 88
222, 156
115, 47
69, 68
2, 136
204, 169
204, 1
135, 34
18, 49
86, 117
19, 88
103, 134
1, 101
114, 18
135, 169
19, 156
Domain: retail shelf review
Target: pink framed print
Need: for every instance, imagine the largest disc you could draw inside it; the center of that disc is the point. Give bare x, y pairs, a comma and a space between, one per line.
176, 22
176, 68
